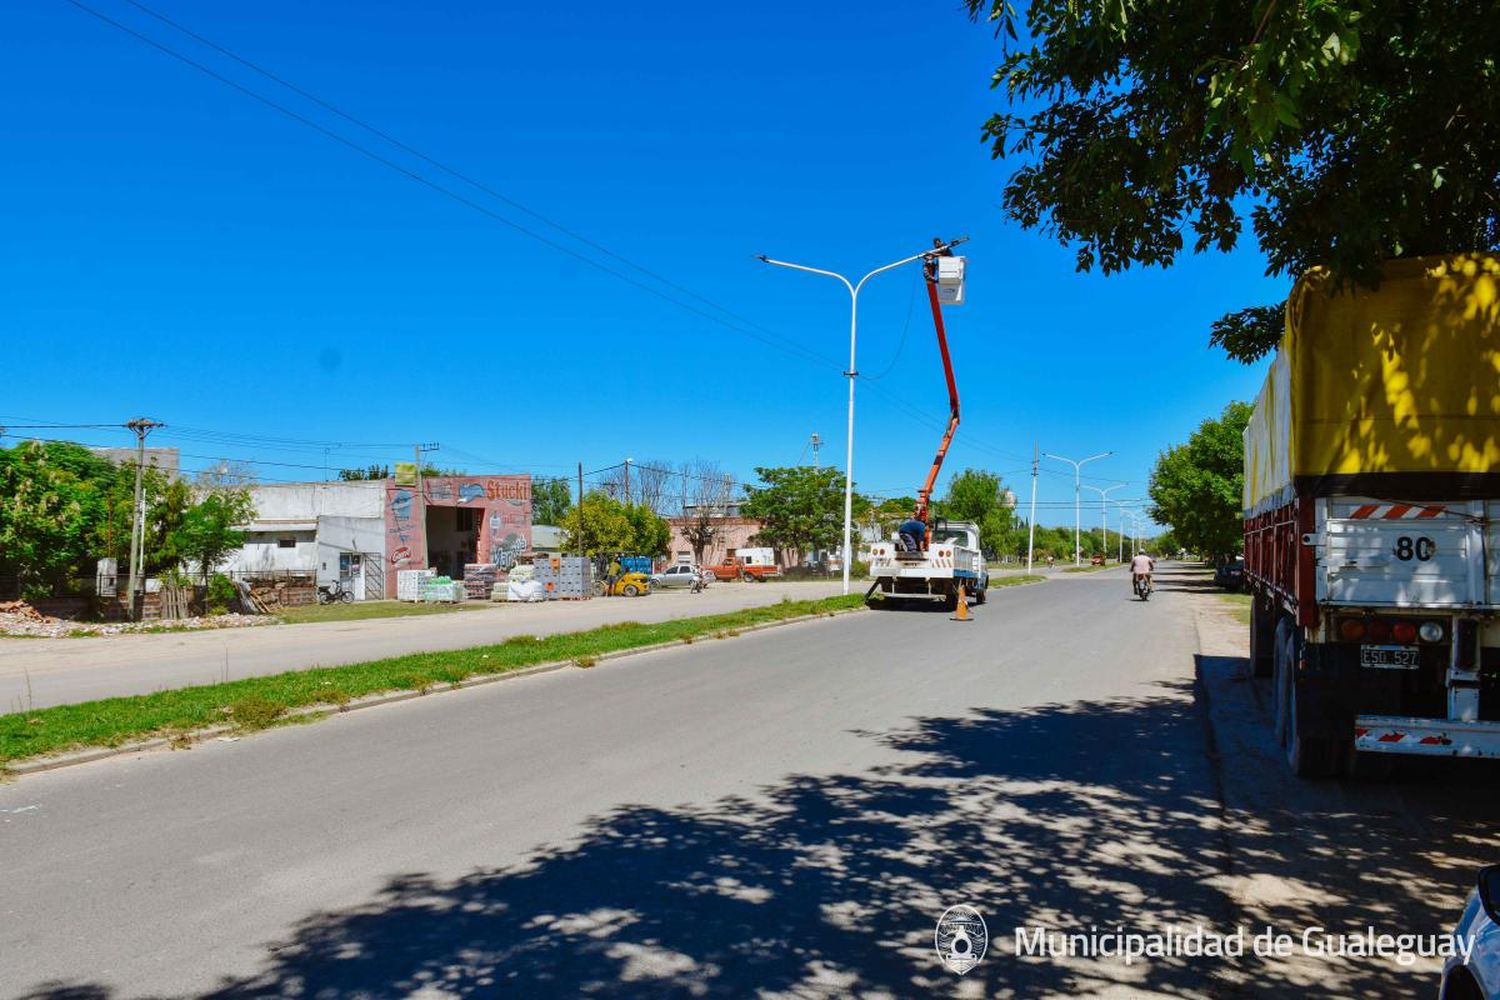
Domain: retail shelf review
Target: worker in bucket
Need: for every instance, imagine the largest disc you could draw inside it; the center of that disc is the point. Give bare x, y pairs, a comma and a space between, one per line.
1141, 565
912, 534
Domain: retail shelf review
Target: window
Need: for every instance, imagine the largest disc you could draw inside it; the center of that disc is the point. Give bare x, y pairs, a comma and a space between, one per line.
286, 543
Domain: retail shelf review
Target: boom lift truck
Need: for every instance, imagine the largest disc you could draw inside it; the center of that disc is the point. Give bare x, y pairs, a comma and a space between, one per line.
946, 557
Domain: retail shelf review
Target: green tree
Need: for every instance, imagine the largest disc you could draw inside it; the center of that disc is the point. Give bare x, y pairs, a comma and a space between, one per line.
598, 526
978, 495
1348, 132
550, 500
52, 499
799, 507
650, 534
210, 529
1196, 487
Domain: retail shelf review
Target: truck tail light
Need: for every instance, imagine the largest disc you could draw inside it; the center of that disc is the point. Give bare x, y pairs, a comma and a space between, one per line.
1404, 632
1378, 630
1351, 629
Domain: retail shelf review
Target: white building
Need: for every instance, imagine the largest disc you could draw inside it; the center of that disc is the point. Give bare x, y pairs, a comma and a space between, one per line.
335, 531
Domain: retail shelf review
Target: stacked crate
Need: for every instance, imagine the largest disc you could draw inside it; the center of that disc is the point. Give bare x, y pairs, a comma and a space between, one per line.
479, 580
575, 578
409, 583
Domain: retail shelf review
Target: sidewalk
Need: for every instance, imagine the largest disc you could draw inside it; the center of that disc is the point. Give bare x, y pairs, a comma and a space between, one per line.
37, 673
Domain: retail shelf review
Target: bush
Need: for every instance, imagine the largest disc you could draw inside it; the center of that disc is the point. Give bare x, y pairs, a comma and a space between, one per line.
221, 593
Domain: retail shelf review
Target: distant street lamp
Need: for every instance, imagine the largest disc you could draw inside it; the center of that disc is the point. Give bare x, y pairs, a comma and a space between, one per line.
1104, 510
1077, 497
853, 373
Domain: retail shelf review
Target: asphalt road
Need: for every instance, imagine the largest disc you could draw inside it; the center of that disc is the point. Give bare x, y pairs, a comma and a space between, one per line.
779, 814
37, 673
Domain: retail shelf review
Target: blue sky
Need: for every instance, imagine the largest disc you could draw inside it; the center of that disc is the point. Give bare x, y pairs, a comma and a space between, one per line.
177, 249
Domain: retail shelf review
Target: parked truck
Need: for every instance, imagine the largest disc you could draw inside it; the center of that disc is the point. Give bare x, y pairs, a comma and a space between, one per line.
747, 564
1372, 486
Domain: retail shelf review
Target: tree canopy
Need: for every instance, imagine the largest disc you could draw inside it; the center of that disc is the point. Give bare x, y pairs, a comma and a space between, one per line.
1196, 487
1347, 132
602, 525
800, 507
978, 495
550, 500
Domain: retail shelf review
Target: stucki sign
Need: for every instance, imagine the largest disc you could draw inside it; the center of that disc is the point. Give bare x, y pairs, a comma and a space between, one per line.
1200, 942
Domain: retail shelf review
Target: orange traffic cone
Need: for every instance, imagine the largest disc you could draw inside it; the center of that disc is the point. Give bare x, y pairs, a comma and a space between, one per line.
962, 613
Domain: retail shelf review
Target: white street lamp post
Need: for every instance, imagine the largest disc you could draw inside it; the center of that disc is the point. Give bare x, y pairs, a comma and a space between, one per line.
851, 374
1104, 511
1078, 498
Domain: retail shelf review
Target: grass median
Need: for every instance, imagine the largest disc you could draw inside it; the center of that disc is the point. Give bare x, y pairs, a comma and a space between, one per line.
1015, 581
258, 702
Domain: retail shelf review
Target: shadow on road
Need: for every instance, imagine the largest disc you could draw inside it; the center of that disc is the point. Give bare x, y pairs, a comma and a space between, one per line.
1102, 814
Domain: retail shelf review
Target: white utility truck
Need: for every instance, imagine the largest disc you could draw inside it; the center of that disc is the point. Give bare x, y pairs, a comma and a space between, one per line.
952, 559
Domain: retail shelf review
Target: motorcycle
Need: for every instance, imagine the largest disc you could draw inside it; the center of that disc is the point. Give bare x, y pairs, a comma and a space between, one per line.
335, 592
1143, 587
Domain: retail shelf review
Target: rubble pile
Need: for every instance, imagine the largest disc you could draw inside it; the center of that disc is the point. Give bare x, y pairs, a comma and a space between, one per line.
19, 619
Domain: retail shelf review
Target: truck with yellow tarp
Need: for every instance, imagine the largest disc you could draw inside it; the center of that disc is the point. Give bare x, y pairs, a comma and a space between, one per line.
1372, 488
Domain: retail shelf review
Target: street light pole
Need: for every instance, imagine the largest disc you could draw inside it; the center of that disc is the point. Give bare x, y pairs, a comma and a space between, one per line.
853, 373
1078, 498
1104, 511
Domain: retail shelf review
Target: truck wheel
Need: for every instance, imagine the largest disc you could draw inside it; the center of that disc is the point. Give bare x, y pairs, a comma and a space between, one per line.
1309, 757
1263, 647
950, 599
979, 595
1282, 656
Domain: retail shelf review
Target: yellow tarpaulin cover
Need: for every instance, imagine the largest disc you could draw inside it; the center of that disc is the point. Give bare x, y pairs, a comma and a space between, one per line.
1400, 379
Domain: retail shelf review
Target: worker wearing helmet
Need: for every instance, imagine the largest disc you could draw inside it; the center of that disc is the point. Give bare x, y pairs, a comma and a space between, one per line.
1141, 566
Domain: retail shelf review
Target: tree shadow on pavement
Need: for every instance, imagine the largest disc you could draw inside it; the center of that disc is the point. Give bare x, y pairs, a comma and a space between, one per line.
1093, 814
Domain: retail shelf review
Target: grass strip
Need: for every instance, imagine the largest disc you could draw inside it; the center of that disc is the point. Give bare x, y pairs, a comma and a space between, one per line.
1015, 581
1239, 606
1090, 569
258, 702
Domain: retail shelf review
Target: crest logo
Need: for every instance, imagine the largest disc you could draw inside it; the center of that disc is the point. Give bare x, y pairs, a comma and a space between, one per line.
961, 938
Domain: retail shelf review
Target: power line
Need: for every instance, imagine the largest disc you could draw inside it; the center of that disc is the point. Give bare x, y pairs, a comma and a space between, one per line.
745, 326
786, 345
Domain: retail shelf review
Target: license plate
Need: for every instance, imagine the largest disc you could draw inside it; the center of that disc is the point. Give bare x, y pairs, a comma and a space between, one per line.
1389, 657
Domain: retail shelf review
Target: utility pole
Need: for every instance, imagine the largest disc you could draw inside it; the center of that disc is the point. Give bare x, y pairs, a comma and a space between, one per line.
627, 482
419, 503
1036, 461
817, 443
142, 426
580, 508
1078, 498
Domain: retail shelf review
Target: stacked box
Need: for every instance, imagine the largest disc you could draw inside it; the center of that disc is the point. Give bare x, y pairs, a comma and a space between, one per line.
442, 590
545, 571
479, 580
409, 583
575, 578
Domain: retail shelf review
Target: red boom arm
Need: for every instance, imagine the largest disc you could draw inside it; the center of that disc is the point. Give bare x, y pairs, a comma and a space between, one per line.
924, 495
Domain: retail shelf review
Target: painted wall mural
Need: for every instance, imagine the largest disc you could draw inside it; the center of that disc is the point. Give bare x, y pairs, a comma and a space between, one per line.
504, 519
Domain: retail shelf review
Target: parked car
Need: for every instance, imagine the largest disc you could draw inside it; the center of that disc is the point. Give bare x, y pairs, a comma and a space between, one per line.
681, 575
1230, 574
1479, 977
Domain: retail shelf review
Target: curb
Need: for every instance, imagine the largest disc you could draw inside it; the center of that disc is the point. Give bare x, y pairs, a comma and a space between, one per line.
92, 754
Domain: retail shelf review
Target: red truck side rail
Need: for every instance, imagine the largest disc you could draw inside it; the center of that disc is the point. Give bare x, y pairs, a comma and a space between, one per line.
1277, 563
